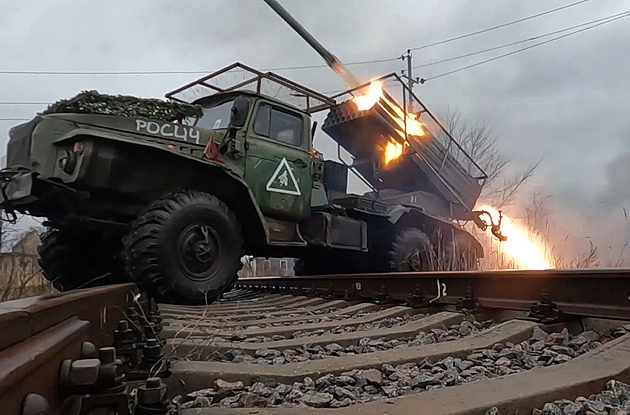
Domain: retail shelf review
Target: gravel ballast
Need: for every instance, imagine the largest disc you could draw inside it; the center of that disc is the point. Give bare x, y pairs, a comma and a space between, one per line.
385, 382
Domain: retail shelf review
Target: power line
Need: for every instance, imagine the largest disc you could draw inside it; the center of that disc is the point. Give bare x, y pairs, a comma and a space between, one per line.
592, 23
625, 14
389, 82
555, 32
285, 68
478, 32
603, 19
291, 68
48, 103
8, 72
608, 20
23, 103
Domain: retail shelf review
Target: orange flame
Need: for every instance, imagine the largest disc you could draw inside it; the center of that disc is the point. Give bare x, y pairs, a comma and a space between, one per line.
393, 150
525, 249
367, 101
409, 122
414, 127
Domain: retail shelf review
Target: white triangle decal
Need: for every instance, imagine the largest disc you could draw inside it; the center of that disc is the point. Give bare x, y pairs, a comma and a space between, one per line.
283, 180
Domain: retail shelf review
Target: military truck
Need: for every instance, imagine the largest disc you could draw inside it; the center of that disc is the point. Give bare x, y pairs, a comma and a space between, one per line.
172, 194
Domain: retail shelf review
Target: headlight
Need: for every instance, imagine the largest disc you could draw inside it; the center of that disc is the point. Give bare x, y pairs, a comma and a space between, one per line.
68, 161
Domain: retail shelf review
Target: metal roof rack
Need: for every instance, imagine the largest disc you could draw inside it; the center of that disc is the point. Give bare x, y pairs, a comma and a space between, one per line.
239, 77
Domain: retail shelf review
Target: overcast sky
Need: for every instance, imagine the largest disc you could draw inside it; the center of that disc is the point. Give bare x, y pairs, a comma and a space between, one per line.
566, 102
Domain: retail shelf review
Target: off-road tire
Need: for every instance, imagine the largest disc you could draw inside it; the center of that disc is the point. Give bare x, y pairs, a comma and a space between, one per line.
158, 250
411, 251
79, 259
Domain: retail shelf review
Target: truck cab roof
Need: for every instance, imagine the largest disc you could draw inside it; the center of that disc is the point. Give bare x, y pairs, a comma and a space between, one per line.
225, 96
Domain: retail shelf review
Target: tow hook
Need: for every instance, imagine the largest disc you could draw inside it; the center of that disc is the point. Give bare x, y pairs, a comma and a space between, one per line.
494, 228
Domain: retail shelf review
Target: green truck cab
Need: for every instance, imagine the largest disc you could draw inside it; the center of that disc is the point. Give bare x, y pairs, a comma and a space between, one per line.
171, 195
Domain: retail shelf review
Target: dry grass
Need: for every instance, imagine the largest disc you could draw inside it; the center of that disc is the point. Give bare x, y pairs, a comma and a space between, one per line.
535, 220
502, 190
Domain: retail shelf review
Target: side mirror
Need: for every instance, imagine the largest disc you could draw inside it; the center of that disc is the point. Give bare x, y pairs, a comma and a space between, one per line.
240, 109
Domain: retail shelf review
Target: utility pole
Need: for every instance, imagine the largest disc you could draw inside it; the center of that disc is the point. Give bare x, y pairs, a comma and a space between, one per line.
411, 81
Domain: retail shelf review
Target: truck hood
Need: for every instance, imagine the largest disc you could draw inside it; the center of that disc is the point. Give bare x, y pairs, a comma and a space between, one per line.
19, 144
132, 126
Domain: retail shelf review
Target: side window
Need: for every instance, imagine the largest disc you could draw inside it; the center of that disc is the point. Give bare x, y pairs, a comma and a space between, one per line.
261, 125
216, 116
285, 127
278, 125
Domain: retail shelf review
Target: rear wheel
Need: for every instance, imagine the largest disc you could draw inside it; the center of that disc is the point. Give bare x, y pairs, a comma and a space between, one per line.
184, 248
411, 251
462, 253
72, 258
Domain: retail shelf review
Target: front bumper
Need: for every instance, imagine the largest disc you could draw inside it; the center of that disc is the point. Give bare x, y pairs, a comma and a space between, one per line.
16, 188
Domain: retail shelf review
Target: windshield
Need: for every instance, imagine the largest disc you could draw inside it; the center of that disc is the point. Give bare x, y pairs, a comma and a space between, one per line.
216, 115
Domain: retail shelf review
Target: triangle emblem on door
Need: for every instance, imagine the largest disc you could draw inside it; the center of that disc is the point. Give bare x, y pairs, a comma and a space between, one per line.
283, 180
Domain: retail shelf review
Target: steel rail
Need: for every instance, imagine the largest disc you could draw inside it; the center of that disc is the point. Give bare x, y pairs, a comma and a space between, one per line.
311, 356
38, 333
547, 294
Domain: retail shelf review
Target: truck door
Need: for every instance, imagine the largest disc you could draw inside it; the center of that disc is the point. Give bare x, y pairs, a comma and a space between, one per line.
278, 166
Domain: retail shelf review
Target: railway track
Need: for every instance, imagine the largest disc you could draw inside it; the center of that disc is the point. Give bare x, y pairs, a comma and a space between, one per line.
550, 342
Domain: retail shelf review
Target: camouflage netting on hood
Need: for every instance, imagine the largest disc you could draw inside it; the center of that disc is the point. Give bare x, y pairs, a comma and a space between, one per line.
92, 102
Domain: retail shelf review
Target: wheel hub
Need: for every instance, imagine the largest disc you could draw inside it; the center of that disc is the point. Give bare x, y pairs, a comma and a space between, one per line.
199, 250
412, 260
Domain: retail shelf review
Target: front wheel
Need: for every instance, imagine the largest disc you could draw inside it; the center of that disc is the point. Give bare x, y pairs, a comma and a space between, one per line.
184, 248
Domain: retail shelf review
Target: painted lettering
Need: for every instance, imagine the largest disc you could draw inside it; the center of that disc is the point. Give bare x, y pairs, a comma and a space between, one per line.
153, 127
140, 124
169, 130
194, 134
164, 132
181, 137
441, 291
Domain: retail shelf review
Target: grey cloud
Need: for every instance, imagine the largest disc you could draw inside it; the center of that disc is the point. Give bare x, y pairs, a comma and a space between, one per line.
617, 190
